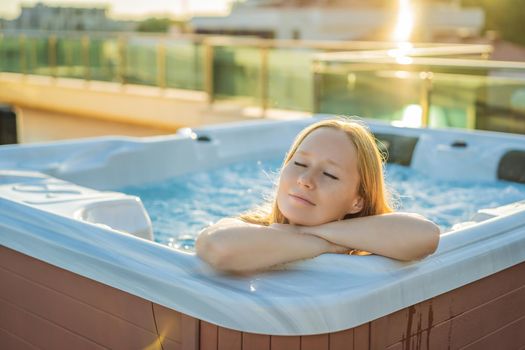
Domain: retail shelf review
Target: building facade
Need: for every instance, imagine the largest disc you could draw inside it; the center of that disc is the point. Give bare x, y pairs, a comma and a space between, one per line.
342, 20
58, 18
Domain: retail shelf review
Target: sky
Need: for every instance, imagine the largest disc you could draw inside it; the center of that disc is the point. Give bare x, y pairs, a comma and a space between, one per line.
126, 9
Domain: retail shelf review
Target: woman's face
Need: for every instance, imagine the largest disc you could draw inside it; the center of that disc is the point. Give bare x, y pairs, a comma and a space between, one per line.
320, 182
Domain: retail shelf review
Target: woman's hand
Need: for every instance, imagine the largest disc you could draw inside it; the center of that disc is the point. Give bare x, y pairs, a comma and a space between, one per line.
338, 249
401, 236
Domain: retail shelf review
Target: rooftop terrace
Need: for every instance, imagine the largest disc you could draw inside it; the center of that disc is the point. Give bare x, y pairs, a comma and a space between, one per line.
155, 84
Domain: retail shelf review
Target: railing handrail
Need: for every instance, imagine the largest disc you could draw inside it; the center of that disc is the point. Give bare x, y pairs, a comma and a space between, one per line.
220, 40
365, 55
419, 61
445, 50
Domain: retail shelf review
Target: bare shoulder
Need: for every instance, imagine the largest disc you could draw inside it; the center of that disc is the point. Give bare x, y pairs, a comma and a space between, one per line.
221, 225
225, 222
414, 215
224, 225
408, 215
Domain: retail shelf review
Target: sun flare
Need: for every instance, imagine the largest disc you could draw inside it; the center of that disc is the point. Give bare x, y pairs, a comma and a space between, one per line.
405, 22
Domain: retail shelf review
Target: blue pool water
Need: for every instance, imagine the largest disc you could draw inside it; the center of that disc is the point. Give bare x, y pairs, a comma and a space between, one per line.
180, 207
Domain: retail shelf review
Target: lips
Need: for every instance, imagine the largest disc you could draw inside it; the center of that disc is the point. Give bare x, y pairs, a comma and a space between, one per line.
301, 199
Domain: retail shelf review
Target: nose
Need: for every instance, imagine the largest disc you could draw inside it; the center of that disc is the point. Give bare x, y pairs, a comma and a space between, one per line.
306, 180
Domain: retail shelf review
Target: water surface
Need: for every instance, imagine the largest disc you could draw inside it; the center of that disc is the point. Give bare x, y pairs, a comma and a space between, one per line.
180, 207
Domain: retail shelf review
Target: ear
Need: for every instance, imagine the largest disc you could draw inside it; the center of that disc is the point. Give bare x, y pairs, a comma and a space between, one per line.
356, 206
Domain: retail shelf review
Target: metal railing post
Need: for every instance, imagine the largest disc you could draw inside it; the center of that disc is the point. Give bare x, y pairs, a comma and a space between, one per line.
33, 56
208, 71
2, 58
264, 79
161, 65
121, 69
196, 65
23, 58
52, 55
471, 116
85, 57
317, 87
69, 57
425, 97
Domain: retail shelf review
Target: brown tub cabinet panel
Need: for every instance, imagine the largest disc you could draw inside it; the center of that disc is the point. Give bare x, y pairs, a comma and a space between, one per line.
229, 339
46, 307
412, 320
209, 336
190, 332
168, 344
71, 314
11, 341
52, 308
379, 330
168, 323
100, 296
278, 342
512, 336
362, 336
465, 316
38, 331
343, 340
255, 341
487, 318
314, 342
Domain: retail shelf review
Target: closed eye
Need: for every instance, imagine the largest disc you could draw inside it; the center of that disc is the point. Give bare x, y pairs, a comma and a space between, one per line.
324, 173
331, 176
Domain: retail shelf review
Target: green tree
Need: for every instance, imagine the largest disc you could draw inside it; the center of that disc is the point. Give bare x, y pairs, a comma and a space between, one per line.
504, 16
154, 25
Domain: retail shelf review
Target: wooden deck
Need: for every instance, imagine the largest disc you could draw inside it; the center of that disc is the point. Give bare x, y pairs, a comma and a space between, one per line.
50, 109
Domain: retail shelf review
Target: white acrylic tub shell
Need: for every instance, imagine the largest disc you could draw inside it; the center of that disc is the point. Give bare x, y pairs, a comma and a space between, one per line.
53, 207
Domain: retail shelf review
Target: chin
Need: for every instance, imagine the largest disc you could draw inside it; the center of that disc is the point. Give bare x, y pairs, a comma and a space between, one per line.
300, 220
296, 217
293, 219
307, 221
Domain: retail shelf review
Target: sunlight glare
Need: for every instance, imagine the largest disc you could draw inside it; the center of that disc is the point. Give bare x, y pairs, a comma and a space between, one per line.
405, 21
404, 60
412, 117
403, 49
401, 74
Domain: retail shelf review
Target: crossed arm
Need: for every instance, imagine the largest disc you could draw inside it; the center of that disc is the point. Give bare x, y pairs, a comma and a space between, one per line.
235, 246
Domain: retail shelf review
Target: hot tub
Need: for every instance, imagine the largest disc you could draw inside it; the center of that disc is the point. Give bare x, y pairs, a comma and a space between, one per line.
79, 268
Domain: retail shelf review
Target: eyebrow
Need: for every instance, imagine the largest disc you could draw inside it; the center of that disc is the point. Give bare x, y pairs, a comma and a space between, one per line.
328, 160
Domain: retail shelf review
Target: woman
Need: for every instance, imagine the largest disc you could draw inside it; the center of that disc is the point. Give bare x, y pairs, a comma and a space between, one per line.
330, 198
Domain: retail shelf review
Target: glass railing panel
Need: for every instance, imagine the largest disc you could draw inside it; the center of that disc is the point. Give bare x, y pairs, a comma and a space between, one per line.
469, 94
70, 58
141, 60
37, 53
368, 91
236, 73
476, 96
184, 65
379, 88
10, 53
290, 83
104, 59
453, 97
493, 101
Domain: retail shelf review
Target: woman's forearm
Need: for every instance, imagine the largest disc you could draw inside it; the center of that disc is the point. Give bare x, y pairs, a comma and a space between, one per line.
397, 235
250, 248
